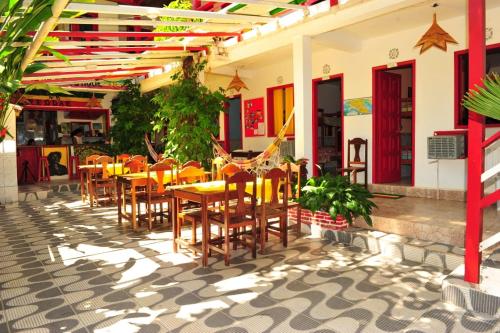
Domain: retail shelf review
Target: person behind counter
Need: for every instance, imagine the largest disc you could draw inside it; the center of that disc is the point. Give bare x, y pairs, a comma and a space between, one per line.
77, 136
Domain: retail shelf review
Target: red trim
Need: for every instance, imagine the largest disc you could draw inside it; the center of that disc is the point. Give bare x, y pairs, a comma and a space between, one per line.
105, 87
375, 148
108, 121
138, 34
458, 99
270, 109
315, 119
102, 77
491, 139
88, 50
63, 108
457, 132
91, 71
490, 199
334, 3
475, 165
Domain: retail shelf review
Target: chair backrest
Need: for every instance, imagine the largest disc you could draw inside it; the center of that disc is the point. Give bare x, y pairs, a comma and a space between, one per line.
275, 179
91, 159
104, 161
164, 175
357, 143
217, 164
122, 158
294, 174
140, 158
190, 174
195, 164
169, 161
135, 166
229, 170
236, 192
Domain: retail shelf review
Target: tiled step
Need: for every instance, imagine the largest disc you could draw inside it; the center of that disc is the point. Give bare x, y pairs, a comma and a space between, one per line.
431, 253
483, 297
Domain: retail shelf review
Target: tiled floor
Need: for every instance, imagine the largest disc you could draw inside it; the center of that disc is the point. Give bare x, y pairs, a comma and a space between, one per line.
67, 268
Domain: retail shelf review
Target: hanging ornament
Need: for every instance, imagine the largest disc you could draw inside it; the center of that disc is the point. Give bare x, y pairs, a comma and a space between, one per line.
236, 83
93, 102
435, 36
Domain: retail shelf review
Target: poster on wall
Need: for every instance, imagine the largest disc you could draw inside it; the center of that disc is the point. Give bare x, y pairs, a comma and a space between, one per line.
254, 117
58, 160
358, 106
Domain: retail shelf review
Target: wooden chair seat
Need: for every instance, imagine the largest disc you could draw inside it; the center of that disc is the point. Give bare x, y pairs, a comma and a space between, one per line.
356, 165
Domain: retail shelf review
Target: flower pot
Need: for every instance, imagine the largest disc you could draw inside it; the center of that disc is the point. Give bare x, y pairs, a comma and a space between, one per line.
319, 218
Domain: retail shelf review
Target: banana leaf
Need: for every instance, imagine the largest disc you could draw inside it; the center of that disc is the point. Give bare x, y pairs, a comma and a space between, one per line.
485, 100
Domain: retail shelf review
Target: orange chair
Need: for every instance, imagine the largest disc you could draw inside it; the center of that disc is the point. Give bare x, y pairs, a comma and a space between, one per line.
140, 158
135, 165
103, 182
156, 194
229, 170
195, 164
89, 160
122, 158
276, 208
191, 174
241, 215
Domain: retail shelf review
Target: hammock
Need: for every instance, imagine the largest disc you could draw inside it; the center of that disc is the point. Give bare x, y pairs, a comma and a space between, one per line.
259, 162
255, 164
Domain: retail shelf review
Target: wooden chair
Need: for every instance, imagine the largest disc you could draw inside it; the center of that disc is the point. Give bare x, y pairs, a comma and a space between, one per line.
242, 214
294, 174
195, 164
135, 165
217, 164
156, 193
140, 158
229, 170
276, 208
90, 160
103, 182
190, 174
356, 165
169, 161
122, 158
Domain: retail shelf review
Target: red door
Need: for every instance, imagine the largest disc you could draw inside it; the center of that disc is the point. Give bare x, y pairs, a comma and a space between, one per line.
387, 121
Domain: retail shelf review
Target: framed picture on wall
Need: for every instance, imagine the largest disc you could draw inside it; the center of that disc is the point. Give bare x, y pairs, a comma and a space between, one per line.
58, 160
254, 117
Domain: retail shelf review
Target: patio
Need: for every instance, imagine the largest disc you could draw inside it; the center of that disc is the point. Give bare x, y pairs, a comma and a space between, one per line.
67, 267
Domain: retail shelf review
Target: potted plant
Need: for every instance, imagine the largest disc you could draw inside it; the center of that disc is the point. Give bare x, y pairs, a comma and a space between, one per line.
336, 198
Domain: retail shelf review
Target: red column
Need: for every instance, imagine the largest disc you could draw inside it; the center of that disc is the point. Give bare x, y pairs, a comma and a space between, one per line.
474, 226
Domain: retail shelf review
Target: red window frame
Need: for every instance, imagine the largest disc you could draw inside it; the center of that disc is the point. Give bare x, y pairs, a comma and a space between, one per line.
457, 99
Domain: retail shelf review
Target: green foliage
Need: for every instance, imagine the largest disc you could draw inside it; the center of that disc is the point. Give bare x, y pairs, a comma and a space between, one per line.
176, 4
337, 196
189, 112
132, 114
18, 21
485, 100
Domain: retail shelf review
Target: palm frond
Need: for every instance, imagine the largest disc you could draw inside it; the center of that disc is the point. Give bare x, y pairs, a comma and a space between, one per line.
485, 100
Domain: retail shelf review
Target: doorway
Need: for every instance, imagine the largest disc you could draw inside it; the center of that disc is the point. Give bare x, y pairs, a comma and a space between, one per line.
394, 124
233, 131
327, 122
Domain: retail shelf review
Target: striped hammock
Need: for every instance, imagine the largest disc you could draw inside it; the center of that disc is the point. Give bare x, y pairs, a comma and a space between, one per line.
270, 155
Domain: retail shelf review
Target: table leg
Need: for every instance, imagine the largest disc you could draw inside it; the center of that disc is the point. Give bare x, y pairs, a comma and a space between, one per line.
119, 200
175, 227
134, 207
204, 232
83, 185
90, 188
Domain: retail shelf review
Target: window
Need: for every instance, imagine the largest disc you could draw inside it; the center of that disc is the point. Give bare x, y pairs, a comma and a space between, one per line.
280, 105
462, 82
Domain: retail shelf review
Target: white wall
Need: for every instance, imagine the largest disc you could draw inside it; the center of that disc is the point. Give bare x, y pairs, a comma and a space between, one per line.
434, 95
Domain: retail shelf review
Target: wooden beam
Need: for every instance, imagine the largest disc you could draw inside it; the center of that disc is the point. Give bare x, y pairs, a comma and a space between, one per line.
270, 3
153, 12
130, 49
47, 26
133, 34
153, 23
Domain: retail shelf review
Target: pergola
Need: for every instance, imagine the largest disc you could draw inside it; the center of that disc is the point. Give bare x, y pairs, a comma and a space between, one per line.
126, 46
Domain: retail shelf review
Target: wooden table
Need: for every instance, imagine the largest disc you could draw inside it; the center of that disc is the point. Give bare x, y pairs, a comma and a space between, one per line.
133, 181
86, 172
204, 194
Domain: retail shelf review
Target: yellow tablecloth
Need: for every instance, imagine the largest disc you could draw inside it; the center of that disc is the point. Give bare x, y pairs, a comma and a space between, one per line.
219, 185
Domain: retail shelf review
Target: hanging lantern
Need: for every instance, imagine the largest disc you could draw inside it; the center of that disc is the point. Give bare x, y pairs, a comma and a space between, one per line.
435, 36
94, 102
236, 83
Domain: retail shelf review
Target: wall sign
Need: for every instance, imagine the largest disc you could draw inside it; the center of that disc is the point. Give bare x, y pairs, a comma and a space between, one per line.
254, 117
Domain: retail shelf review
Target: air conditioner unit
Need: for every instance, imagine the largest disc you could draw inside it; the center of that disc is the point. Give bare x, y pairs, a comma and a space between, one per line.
446, 147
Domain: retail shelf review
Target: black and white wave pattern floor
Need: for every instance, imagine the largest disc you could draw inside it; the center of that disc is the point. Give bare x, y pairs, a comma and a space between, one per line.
67, 268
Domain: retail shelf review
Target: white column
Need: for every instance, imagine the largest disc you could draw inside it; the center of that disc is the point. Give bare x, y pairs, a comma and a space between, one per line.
8, 164
302, 79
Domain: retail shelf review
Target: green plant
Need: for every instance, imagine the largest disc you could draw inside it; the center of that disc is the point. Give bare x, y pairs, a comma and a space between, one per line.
14, 42
485, 100
132, 115
176, 4
189, 112
337, 196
